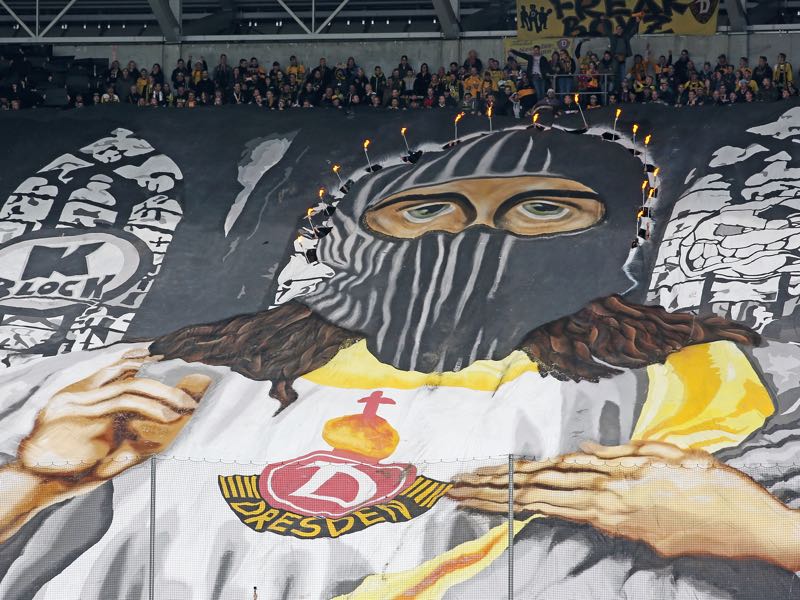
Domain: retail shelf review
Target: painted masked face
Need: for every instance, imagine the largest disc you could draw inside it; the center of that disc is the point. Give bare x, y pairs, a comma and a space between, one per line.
456, 258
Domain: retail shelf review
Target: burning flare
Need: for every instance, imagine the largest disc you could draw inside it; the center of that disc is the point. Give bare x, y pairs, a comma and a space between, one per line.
336, 168
321, 193
618, 113
635, 128
403, 131
647, 139
489, 112
459, 116
366, 144
536, 117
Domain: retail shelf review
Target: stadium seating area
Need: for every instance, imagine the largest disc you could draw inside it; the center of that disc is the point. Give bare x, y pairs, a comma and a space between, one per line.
31, 76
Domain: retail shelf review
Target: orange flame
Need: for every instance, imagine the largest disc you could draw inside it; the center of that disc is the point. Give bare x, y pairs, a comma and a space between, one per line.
647, 139
536, 117
403, 131
321, 193
644, 184
635, 128
577, 98
652, 193
299, 238
640, 214
336, 168
618, 113
309, 212
366, 144
489, 112
655, 173
459, 116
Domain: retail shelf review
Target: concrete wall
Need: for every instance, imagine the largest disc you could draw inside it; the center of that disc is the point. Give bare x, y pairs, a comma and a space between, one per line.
435, 52
384, 52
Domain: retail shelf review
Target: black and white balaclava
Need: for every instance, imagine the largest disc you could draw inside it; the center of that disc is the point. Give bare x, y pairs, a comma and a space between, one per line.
442, 301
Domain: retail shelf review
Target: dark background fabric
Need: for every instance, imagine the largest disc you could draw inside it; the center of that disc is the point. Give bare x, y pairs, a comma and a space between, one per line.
207, 276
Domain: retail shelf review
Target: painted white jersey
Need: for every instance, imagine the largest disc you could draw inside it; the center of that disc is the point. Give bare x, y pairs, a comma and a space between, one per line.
235, 441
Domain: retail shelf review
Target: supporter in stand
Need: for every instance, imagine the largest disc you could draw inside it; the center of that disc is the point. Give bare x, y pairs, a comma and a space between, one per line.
473, 61
378, 83
296, 68
473, 83
767, 91
782, 75
110, 97
180, 69
223, 74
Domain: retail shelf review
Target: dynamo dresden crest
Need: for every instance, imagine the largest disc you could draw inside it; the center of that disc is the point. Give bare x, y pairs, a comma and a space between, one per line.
703, 10
332, 493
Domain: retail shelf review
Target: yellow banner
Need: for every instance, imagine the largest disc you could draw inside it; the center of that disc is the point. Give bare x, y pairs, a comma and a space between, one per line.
539, 19
547, 45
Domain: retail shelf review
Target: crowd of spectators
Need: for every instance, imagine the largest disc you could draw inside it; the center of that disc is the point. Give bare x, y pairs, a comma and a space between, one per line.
516, 87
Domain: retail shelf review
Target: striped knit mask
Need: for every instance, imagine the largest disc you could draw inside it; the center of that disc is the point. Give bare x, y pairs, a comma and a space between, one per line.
442, 300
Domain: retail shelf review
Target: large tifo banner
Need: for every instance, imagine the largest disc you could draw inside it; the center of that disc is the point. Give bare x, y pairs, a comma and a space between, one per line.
576, 18
399, 356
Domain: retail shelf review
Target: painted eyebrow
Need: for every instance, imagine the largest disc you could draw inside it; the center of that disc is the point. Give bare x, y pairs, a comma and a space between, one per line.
555, 193
456, 197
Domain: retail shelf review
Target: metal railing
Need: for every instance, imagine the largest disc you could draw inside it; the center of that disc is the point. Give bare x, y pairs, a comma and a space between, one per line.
569, 85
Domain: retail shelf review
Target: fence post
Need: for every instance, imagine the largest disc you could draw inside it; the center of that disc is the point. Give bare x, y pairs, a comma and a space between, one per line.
510, 527
152, 574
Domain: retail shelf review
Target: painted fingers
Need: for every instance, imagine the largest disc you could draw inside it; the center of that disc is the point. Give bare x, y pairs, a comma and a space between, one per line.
109, 421
586, 486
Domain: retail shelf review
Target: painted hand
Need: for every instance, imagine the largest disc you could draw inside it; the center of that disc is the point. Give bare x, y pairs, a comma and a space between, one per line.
108, 422
680, 502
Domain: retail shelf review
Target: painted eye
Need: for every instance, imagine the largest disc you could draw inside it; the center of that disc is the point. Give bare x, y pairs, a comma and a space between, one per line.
427, 212
538, 209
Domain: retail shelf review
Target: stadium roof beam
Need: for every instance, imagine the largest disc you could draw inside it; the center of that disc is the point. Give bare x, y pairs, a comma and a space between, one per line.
17, 19
451, 28
335, 12
170, 26
736, 15
57, 18
294, 16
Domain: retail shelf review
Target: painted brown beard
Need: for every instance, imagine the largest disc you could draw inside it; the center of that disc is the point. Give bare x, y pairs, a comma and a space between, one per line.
600, 340
622, 335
